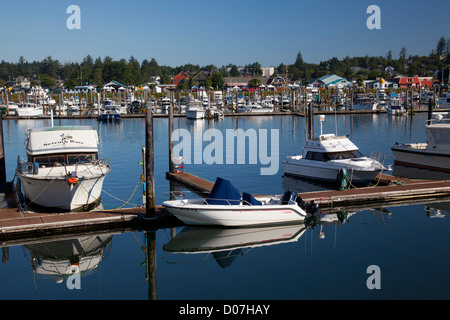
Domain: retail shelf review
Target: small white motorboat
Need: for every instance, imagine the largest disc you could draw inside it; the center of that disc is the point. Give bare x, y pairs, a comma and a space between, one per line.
225, 207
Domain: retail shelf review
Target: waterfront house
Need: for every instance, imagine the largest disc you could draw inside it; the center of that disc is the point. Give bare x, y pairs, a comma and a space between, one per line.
330, 80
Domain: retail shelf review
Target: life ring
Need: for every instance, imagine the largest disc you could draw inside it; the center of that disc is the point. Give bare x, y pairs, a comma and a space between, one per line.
72, 180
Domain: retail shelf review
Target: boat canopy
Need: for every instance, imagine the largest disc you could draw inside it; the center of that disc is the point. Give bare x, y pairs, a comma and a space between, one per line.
224, 193
62, 139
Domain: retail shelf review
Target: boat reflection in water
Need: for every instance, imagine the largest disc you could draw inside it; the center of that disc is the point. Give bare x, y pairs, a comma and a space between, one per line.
301, 185
59, 259
201, 244
437, 210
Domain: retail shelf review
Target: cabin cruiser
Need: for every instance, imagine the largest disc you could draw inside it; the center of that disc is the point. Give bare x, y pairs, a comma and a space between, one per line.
63, 171
431, 156
224, 206
394, 106
110, 112
365, 103
29, 110
325, 157
195, 110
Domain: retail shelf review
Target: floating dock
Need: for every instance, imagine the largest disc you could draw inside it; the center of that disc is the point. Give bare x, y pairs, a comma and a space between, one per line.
15, 222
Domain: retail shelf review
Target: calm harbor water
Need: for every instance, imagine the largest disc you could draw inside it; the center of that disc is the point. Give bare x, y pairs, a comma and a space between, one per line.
325, 260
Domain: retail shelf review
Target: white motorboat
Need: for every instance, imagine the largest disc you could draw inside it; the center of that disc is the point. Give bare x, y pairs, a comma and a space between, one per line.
324, 157
432, 156
365, 103
444, 101
394, 106
225, 207
214, 113
195, 110
63, 171
29, 110
257, 108
110, 112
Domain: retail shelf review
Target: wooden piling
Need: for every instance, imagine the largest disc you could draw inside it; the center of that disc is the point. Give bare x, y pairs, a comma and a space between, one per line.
149, 165
171, 166
2, 153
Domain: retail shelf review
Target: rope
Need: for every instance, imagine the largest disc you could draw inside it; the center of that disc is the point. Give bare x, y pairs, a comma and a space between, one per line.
135, 188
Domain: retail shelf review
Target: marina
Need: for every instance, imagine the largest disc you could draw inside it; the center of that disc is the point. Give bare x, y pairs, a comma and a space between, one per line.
217, 251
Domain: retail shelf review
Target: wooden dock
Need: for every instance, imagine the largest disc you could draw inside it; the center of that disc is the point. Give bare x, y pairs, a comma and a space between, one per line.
16, 223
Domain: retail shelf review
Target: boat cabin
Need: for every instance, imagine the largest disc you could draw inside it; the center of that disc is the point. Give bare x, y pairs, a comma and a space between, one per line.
65, 145
330, 147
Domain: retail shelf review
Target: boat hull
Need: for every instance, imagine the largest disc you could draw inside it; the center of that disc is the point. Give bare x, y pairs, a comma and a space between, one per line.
416, 156
60, 195
234, 216
309, 170
195, 114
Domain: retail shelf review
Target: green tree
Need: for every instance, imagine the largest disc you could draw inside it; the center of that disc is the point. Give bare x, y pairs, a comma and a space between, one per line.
441, 46
234, 72
254, 83
217, 80
47, 81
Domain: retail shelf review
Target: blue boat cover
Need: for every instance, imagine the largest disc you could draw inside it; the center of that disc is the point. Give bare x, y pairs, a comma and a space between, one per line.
224, 193
250, 200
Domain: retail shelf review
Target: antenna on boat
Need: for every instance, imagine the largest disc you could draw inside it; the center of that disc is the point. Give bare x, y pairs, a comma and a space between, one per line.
321, 119
51, 116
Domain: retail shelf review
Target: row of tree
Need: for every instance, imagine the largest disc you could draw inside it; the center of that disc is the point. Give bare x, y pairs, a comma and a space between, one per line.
131, 72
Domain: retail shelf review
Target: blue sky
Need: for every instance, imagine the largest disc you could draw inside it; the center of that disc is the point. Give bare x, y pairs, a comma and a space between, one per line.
219, 32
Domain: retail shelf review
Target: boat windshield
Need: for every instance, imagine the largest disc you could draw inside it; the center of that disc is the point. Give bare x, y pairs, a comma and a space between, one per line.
55, 160
320, 156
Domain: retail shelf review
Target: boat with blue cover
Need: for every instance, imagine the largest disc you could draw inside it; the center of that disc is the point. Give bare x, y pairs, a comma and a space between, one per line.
225, 206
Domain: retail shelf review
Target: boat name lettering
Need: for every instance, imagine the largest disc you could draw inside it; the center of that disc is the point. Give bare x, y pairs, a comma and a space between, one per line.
48, 144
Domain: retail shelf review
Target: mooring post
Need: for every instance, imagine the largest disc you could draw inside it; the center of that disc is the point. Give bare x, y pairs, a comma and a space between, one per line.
430, 109
2, 153
149, 165
171, 166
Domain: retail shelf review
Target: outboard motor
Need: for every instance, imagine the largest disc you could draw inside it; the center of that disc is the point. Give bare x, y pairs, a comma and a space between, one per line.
309, 207
286, 197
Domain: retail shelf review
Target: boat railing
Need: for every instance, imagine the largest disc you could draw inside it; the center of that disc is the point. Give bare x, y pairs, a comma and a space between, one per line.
33, 167
181, 195
438, 120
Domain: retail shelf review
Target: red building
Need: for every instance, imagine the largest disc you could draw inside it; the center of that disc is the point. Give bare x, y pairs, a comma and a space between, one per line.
180, 78
408, 82
426, 81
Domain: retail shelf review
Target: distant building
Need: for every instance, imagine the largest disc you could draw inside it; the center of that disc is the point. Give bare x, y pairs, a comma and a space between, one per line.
406, 82
330, 80
426, 81
236, 82
268, 72
179, 78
